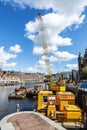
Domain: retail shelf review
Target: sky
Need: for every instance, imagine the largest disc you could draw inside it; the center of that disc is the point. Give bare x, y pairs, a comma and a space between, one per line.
21, 40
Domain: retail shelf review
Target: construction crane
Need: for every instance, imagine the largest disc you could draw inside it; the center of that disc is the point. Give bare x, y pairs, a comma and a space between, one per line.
53, 87
45, 48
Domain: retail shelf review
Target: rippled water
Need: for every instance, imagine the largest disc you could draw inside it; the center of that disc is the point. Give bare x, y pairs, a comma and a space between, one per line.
8, 106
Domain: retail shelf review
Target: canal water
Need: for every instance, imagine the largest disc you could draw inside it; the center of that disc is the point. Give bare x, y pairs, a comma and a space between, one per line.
8, 106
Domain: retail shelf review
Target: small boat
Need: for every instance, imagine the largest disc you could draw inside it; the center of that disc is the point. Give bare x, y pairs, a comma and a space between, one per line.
20, 89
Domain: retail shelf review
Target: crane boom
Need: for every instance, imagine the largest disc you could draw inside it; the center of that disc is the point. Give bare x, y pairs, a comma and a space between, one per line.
45, 48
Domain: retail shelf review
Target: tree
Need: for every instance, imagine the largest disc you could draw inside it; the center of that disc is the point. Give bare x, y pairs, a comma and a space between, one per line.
84, 73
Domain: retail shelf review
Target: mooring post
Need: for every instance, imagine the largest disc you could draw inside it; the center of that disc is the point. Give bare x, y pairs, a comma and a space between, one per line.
17, 107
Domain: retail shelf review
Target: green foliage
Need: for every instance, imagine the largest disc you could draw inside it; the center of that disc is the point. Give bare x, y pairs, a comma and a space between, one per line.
84, 72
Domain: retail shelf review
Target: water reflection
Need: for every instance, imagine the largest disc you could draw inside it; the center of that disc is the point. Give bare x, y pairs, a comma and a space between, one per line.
9, 106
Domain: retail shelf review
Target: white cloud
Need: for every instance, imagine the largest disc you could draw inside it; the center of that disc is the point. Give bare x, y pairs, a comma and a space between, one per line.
41, 63
69, 7
9, 65
39, 67
71, 66
62, 6
31, 70
5, 57
31, 3
44, 66
49, 59
64, 56
47, 67
53, 59
16, 48
65, 14
52, 30
60, 41
54, 24
37, 50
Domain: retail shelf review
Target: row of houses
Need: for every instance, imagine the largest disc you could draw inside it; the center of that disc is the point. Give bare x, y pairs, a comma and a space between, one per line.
7, 78
15, 77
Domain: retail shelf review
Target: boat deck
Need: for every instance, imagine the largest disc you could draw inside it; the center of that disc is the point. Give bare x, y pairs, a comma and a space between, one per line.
30, 121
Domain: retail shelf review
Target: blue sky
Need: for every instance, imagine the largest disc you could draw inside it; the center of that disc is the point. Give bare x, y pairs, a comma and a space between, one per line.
65, 27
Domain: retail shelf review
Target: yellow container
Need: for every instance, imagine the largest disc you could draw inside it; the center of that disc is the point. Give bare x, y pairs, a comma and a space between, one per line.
61, 104
72, 113
65, 95
51, 111
55, 87
64, 98
61, 88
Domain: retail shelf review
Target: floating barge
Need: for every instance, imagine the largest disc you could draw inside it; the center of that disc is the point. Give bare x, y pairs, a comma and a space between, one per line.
16, 96
22, 92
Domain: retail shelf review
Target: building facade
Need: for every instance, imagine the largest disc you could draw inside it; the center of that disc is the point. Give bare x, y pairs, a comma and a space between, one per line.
1, 73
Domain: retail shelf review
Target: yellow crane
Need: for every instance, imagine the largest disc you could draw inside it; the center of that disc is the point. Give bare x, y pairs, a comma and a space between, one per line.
53, 87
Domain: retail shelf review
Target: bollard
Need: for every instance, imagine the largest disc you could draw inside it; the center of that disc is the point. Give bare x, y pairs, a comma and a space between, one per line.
17, 107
